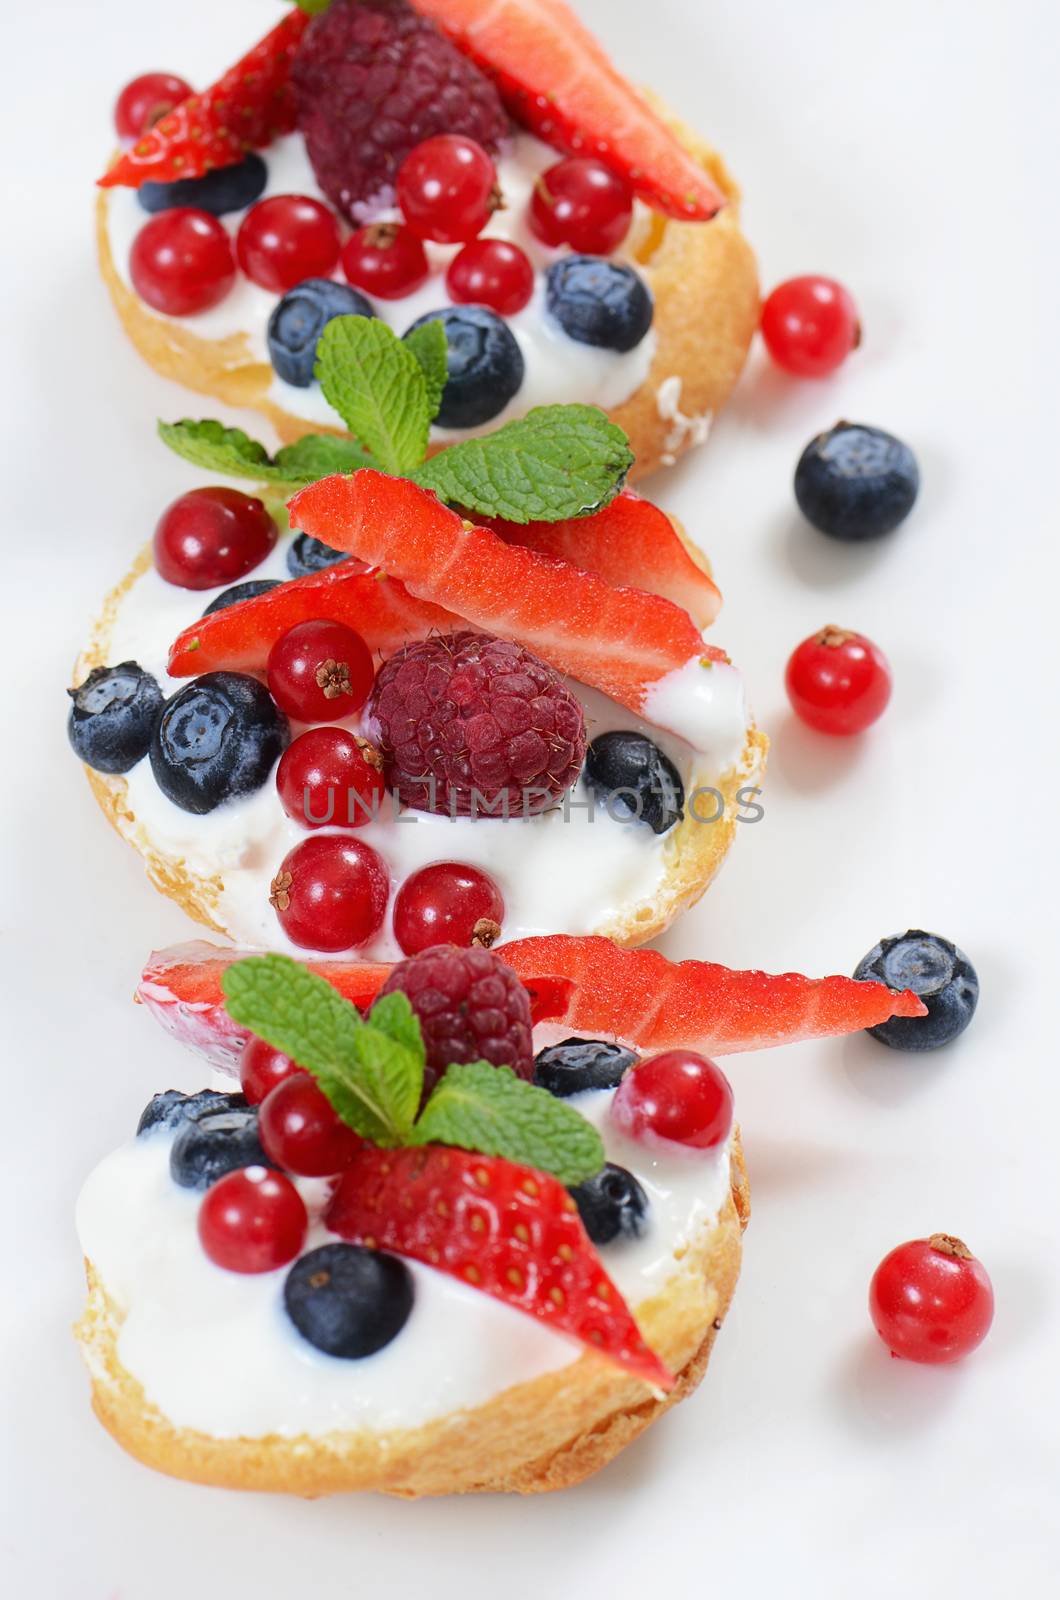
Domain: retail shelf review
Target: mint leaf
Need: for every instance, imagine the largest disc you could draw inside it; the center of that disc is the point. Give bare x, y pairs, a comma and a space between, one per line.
370, 1079
318, 455
312, 7
431, 349
377, 386
557, 462
234, 453
485, 1108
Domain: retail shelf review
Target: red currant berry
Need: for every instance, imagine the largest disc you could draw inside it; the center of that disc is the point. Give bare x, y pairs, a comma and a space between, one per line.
301, 1130
810, 325
181, 262
261, 1068
285, 239
147, 99
327, 775
930, 1300
252, 1220
582, 203
838, 682
680, 1098
212, 536
386, 260
491, 272
447, 903
320, 671
447, 188
330, 893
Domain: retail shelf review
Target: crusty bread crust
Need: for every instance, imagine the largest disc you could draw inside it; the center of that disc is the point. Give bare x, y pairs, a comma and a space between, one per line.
702, 275
546, 1434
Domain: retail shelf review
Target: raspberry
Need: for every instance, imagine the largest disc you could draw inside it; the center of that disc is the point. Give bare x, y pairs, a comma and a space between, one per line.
472, 725
471, 1008
373, 79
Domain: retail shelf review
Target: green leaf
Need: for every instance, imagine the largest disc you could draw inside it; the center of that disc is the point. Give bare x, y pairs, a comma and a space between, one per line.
318, 455
431, 349
557, 462
312, 7
486, 1108
377, 386
370, 1079
234, 453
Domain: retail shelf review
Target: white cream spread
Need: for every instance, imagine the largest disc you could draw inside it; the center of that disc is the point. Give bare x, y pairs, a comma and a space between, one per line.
558, 368
568, 870
215, 1350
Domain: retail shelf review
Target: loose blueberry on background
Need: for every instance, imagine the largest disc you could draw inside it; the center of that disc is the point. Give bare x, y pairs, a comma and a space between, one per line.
599, 302
856, 482
612, 1203
241, 591
306, 554
298, 320
348, 1301
631, 767
216, 740
213, 1143
485, 364
171, 1109
113, 716
578, 1064
224, 189
938, 973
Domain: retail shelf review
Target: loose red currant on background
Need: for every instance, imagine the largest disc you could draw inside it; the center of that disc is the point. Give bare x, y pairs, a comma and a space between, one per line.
147, 99
491, 272
329, 776
330, 893
679, 1097
285, 239
447, 188
252, 1220
181, 262
838, 682
447, 903
261, 1068
386, 260
301, 1130
810, 325
582, 203
208, 537
320, 671
931, 1300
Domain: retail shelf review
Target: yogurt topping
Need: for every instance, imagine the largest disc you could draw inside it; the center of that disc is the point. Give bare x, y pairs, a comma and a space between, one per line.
559, 370
215, 1351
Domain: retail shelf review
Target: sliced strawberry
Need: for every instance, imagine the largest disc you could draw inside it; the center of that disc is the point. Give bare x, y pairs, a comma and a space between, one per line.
246, 109
239, 638
629, 541
181, 987
620, 641
556, 80
658, 1004
510, 1231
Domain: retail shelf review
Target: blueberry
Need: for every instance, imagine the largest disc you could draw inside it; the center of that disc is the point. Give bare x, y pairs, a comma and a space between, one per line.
171, 1109
306, 554
599, 302
298, 320
113, 716
216, 740
224, 189
855, 482
936, 971
612, 1203
629, 767
241, 591
348, 1301
485, 365
579, 1064
213, 1143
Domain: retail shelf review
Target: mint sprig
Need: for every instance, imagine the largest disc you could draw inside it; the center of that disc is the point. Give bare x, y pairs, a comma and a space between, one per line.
235, 454
428, 345
379, 389
372, 1073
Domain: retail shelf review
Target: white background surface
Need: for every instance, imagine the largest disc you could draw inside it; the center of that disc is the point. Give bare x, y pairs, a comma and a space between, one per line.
909, 149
